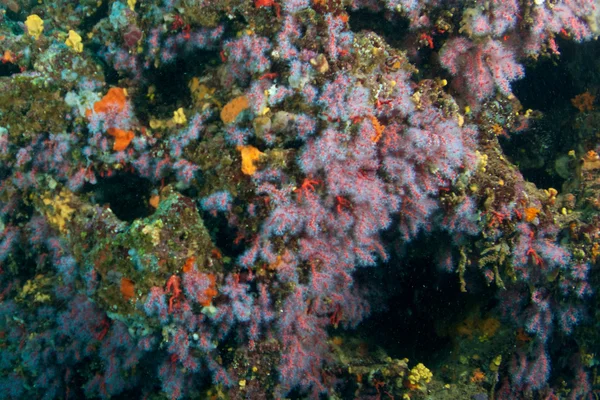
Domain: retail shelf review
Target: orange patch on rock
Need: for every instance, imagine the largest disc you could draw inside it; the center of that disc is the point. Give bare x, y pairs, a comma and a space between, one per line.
531, 213
489, 327
8, 57
127, 288
522, 337
209, 293
478, 376
584, 102
216, 254
232, 109
154, 201
189, 264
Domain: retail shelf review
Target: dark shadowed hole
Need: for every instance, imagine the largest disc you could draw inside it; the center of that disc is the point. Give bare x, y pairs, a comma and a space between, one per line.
223, 235
111, 76
393, 31
126, 194
548, 86
90, 20
8, 69
419, 303
171, 83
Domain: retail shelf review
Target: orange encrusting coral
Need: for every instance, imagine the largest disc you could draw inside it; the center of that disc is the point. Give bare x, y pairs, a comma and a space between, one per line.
122, 138
232, 109
478, 376
584, 102
206, 299
379, 128
489, 327
216, 254
531, 213
189, 264
127, 288
114, 101
486, 327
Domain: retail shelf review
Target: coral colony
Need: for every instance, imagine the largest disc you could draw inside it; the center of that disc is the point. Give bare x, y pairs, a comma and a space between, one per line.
192, 191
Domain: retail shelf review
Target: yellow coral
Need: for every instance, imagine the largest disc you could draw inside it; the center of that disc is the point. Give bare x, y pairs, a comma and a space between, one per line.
495, 364
29, 288
179, 116
41, 298
419, 375
35, 25
58, 210
157, 124
482, 161
153, 231
202, 94
35, 288
74, 41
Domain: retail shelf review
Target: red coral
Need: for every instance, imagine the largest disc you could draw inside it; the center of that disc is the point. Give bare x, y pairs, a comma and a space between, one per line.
174, 287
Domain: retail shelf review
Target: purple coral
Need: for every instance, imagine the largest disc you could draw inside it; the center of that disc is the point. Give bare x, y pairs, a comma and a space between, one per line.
481, 67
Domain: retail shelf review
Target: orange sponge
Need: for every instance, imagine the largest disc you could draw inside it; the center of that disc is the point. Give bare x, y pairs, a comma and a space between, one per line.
232, 109
114, 100
122, 138
249, 155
